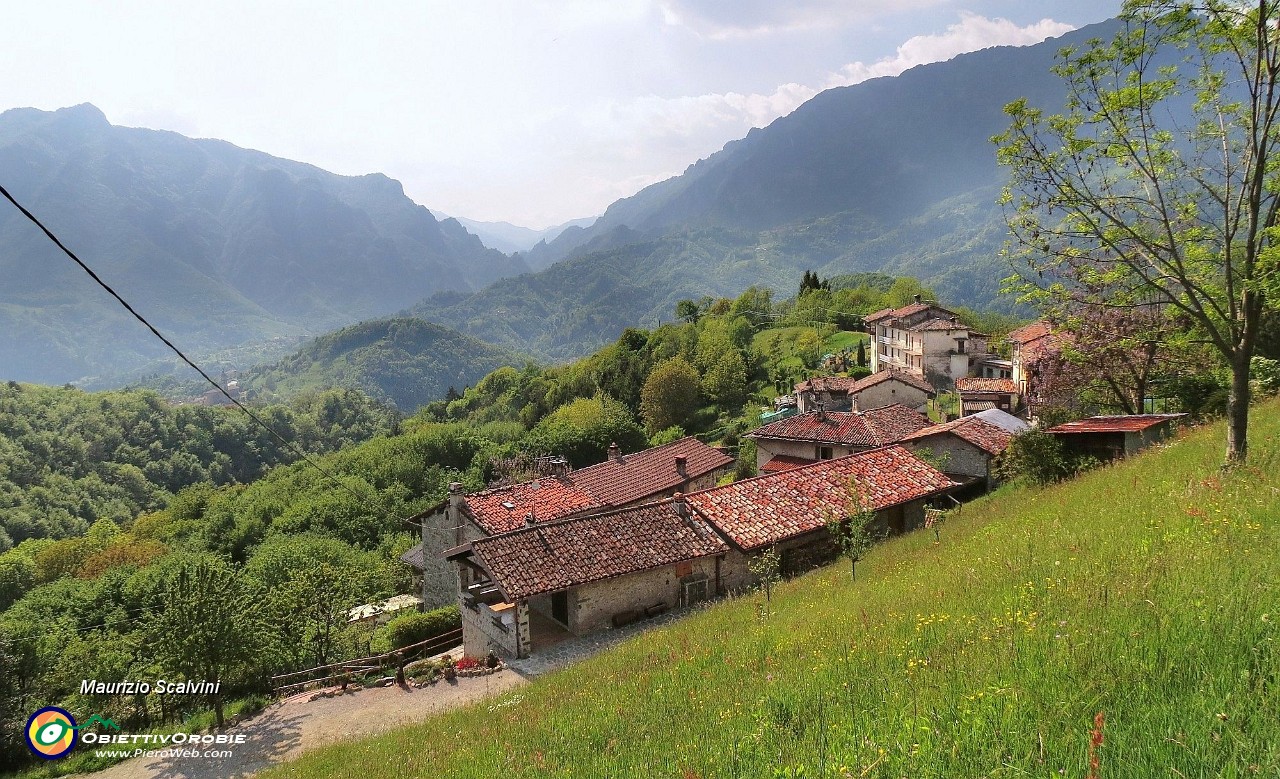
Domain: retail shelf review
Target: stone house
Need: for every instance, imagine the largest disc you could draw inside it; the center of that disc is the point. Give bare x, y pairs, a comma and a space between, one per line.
823, 435
789, 510
844, 393
528, 589
925, 339
963, 449
525, 590
1110, 438
979, 394
622, 480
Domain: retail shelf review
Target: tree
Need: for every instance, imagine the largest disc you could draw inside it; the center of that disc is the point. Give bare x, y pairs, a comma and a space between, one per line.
1160, 183
767, 568
726, 382
853, 534
669, 396
211, 629
688, 310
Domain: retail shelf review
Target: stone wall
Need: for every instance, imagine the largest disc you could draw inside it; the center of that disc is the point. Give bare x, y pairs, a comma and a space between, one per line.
593, 606
481, 633
888, 392
766, 449
962, 457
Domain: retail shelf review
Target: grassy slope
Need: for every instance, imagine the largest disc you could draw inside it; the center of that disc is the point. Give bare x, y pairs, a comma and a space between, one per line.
1148, 591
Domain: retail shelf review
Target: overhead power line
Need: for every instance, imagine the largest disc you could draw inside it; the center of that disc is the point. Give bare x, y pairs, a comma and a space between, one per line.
286, 443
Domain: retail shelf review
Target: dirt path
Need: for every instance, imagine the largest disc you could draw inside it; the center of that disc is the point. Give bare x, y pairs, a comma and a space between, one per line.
286, 730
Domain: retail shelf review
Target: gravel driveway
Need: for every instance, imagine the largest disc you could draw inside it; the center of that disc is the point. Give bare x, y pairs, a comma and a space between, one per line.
286, 730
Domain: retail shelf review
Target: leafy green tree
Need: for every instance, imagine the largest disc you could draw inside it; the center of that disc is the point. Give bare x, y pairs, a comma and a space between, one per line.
212, 629
670, 395
582, 431
17, 575
1159, 184
726, 382
687, 310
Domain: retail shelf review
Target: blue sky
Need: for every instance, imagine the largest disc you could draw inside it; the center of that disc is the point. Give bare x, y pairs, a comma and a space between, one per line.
528, 111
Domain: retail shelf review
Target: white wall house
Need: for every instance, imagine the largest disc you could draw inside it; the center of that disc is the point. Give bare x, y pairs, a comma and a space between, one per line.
925, 339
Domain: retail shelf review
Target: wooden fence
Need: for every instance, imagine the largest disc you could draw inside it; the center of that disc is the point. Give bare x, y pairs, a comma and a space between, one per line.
327, 675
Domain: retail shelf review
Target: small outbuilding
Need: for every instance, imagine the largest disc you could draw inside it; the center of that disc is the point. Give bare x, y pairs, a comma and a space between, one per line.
1110, 438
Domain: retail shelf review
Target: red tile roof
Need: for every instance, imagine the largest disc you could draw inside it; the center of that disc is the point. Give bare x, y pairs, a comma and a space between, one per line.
973, 384
783, 462
774, 507
876, 427
984, 435
1028, 333
1132, 423
502, 509
876, 316
558, 555
906, 377
649, 472
909, 311
644, 474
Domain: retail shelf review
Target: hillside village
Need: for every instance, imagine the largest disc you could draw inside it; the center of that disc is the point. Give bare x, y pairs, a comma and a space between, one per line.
958, 505
571, 552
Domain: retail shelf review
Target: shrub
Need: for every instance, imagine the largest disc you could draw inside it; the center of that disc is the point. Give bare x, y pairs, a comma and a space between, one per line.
415, 628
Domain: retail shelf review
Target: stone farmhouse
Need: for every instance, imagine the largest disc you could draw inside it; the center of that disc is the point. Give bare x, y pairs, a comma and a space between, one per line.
964, 449
525, 590
1028, 343
844, 393
823, 435
620, 481
925, 339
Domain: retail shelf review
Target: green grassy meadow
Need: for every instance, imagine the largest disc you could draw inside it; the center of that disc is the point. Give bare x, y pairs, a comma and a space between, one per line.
1144, 596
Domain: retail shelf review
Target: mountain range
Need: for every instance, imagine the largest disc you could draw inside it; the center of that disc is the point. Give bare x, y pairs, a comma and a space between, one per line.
509, 238
233, 251
896, 175
217, 245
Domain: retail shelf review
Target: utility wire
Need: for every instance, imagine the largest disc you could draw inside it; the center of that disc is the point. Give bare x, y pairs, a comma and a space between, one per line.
287, 444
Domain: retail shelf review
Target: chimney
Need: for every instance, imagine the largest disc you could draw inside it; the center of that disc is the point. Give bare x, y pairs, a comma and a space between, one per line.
918, 300
453, 509
682, 465
822, 411
529, 520
677, 501
615, 452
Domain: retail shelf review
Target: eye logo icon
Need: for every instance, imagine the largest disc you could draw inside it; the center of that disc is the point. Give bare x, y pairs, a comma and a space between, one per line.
51, 732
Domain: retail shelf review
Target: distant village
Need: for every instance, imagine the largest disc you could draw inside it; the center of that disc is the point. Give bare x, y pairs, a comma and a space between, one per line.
570, 552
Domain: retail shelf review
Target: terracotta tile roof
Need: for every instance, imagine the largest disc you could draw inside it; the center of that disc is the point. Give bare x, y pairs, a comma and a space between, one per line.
644, 474
558, 555
1028, 333
783, 462
876, 427
876, 316
502, 509
984, 435
649, 472
906, 377
774, 507
974, 384
1132, 423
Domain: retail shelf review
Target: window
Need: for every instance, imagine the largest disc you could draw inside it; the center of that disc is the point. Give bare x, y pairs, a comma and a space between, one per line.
824, 453
694, 590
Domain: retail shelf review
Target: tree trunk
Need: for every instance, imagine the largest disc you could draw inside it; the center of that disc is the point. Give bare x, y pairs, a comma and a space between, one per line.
1238, 411
217, 709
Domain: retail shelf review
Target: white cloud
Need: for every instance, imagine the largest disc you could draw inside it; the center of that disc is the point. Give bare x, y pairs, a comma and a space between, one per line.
971, 33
